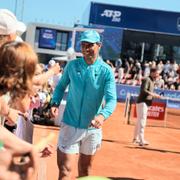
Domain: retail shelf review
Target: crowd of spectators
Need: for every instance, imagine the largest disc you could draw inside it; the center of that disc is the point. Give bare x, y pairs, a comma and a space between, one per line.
131, 71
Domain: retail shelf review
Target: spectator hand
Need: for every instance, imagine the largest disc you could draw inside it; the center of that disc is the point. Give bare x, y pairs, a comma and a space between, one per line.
12, 116
55, 68
5, 162
157, 96
21, 149
17, 167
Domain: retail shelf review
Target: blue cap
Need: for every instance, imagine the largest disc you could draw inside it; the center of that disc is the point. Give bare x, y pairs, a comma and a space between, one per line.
91, 36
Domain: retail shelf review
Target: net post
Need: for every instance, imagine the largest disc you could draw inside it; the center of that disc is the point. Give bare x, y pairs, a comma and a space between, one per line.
129, 109
126, 104
165, 116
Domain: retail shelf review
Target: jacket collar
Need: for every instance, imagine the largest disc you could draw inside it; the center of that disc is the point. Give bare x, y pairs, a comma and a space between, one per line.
98, 60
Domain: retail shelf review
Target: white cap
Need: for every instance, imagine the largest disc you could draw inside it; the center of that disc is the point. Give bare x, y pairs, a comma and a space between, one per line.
52, 62
9, 23
71, 53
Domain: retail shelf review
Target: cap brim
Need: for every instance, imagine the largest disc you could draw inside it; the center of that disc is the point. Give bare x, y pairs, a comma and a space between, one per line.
20, 28
89, 40
18, 39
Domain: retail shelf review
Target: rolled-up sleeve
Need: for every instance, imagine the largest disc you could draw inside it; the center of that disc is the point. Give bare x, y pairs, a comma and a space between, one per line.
110, 95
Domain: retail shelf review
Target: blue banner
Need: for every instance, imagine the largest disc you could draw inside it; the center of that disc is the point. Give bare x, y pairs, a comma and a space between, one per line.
47, 38
135, 18
111, 42
123, 90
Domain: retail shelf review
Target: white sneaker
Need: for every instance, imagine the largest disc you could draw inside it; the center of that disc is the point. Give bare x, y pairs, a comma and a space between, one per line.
136, 141
144, 143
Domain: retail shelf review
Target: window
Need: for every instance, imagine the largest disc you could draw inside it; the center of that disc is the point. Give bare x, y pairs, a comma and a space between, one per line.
62, 41
47, 38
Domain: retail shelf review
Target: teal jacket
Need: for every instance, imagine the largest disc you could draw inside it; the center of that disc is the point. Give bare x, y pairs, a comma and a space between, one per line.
92, 91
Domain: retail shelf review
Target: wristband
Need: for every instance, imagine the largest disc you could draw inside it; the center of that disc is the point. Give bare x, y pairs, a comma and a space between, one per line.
1, 145
2, 148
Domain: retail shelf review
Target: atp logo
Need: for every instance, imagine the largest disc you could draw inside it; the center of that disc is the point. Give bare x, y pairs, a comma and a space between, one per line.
178, 23
115, 15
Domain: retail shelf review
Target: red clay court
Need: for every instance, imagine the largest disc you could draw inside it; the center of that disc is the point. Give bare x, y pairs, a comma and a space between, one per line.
119, 159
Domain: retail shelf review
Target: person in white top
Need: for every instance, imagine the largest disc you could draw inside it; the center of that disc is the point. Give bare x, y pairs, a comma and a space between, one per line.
52, 81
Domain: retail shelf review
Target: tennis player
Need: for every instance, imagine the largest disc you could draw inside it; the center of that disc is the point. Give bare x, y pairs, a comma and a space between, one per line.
91, 83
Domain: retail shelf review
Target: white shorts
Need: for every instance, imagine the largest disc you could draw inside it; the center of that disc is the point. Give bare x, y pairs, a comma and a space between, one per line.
74, 140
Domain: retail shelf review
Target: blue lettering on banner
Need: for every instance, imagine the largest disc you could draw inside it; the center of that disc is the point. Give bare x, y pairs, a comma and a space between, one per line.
123, 90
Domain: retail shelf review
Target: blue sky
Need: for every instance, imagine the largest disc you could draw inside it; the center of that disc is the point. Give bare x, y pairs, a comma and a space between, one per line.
68, 12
